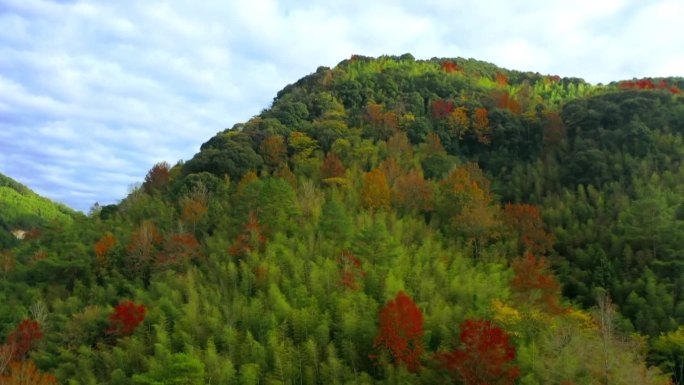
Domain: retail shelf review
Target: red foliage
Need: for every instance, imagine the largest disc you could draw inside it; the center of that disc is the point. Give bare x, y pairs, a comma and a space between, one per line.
647, 84
503, 100
401, 332
484, 357
332, 167
442, 109
501, 79
125, 318
386, 121
157, 177
251, 239
351, 270
450, 67
481, 125
178, 250
104, 245
535, 284
24, 338
552, 79
525, 220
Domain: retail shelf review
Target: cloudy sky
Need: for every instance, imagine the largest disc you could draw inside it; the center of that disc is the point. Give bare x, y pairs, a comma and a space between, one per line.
93, 93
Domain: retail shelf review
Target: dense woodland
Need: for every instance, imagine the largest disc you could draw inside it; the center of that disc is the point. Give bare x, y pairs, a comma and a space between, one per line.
389, 220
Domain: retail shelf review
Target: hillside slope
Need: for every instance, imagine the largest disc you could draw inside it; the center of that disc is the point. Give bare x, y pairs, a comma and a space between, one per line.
21, 208
388, 220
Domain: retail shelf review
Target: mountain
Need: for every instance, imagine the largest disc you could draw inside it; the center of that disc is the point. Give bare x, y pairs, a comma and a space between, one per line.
388, 220
23, 210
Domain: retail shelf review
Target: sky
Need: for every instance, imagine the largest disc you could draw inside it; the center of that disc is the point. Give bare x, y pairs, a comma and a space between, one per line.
94, 93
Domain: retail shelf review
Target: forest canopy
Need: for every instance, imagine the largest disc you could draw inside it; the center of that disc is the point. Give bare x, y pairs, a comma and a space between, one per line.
388, 220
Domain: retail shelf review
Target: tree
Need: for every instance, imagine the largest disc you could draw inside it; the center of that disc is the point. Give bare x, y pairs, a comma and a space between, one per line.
332, 167
667, 351
24, 338
250, 240
458, 122
525, 221
465, 206
351, 270
400, 332
178, 250
481, 125
6, 262
157, 177
375, 192
484, 357
534, 284
412, 193
142, 247
180, 369
26, 373
273, 150
102, 248
125, 318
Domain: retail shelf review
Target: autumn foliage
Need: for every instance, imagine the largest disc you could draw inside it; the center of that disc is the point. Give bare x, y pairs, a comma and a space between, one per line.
178, 250
125, 318
534, 283
375, 192
481, 125
24, 338
504, 100
442, 109
646, 84
400, 332
26, 373
484, 356
332, 167
449, 67
351, 270
157, 177
251, 239
527, 224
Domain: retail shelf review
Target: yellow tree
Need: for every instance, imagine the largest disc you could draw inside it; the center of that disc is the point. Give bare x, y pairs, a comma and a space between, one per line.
273, 150
375, 192
458, 122
466, 207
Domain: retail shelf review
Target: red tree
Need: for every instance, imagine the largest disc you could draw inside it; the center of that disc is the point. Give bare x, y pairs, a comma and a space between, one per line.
251, 239
535, 284
24, 338
449, 67
157, 177
525, 220
125, 318
351, 270
442, 109
178, 250
484, 357
401, 332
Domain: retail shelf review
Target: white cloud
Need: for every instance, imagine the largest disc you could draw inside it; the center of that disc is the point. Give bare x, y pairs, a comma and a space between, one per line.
93, 93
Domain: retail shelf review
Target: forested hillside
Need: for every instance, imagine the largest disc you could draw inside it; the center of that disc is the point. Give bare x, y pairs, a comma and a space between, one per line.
22, 209
388, 220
